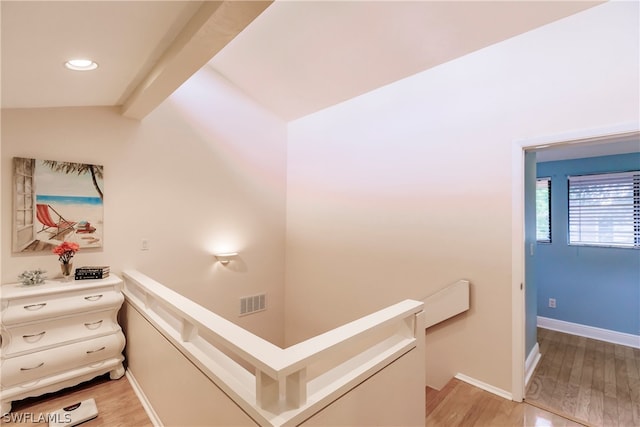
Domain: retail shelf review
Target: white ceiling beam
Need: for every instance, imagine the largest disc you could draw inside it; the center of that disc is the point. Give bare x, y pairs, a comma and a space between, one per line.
214, 25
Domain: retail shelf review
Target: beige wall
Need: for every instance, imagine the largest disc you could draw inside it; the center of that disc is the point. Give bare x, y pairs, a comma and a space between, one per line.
404, 190
203, 173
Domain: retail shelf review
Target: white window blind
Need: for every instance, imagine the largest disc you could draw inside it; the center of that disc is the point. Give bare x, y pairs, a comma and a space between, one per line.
604, 209
543, 210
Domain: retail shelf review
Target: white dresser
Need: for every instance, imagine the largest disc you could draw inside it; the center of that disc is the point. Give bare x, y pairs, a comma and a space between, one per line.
58, 334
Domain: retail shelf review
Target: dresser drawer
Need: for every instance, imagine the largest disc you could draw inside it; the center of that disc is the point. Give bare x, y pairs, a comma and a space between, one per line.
38, 307
24, 338
34, 366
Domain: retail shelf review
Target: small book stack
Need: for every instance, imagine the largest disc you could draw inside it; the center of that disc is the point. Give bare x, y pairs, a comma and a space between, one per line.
92, 272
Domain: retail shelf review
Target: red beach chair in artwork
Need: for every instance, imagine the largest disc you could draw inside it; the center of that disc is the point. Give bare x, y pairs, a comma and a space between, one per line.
44, 216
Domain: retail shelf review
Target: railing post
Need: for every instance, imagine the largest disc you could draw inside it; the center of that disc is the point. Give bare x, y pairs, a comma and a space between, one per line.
267, 390
149, 300
407, 327
187, 331
296, 388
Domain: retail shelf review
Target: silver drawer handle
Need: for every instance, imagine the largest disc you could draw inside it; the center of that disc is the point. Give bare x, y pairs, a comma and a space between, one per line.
33, 307
34, 335
95, 351
93, 325
35, 367
93, 297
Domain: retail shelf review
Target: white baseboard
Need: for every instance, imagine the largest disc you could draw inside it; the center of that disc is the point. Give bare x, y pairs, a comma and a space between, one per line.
530, 364
607, 335
484, 386
153, 416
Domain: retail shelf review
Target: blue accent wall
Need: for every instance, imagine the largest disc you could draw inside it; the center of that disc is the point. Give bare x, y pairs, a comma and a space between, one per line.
593, 286
530, 289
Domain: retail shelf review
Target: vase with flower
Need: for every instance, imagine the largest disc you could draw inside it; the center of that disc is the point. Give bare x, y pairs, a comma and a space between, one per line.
65, 252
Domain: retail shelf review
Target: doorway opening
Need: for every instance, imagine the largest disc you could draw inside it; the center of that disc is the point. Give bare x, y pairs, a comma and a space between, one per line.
588, 144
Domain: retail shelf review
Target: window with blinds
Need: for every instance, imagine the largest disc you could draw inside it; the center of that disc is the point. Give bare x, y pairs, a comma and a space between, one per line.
604, 210
543, 210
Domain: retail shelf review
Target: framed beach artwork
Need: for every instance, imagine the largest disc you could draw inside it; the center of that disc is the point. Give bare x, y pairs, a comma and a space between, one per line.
54, 202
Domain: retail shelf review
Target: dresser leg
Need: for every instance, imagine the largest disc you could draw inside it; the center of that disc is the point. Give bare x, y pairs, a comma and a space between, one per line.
6, 407
117, 372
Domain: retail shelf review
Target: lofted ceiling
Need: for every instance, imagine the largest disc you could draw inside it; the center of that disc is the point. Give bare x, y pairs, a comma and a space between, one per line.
299, 57
295, 58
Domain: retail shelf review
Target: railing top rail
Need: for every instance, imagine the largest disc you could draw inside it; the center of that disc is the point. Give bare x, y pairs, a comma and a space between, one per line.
263, 354
306, 351
266, 356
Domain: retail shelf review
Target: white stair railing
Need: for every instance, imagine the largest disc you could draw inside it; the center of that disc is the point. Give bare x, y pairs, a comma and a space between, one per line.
446, 303
283, 386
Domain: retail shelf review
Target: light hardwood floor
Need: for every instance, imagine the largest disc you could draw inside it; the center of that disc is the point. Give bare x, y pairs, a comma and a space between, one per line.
457, 404
117, 405
594, 382
461, 404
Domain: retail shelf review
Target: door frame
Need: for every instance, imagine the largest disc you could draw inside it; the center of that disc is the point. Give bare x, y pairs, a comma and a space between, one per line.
518, 149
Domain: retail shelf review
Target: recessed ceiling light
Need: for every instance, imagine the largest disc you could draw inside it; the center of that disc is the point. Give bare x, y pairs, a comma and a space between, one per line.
81, 64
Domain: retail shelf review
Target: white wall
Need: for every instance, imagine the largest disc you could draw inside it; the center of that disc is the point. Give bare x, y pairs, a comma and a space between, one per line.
203, 173
404, 190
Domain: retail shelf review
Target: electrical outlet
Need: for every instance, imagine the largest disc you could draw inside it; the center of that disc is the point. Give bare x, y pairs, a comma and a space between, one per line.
144, 245
552, 302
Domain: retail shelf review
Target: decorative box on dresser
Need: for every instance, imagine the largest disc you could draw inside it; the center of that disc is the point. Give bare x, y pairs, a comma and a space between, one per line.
58, 334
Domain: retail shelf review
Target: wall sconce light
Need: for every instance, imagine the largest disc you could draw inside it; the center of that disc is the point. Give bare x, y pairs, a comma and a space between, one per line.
226, 257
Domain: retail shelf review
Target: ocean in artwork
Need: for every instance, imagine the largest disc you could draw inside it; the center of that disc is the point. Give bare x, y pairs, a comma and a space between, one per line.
68, 200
